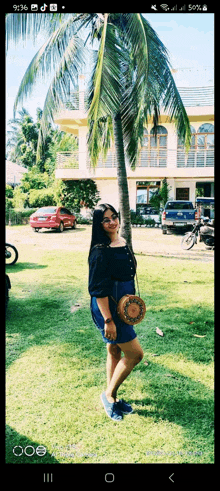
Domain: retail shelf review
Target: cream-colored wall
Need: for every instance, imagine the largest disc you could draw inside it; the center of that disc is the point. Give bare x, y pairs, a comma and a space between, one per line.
108, 189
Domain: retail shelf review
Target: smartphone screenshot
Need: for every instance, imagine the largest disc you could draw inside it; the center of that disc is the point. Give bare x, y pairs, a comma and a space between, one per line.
109, 245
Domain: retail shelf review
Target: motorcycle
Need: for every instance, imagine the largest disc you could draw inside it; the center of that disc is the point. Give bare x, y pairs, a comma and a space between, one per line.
204, 230
11, 254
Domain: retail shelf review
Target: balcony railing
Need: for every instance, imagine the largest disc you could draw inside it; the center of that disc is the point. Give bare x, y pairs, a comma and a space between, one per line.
67, 160
196, 157
109, 162
153, 158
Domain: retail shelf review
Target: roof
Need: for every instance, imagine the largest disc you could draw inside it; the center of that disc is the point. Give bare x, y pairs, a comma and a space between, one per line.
14, 173
197, 96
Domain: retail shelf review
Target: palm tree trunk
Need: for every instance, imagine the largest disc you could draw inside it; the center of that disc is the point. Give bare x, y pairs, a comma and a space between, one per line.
124, 206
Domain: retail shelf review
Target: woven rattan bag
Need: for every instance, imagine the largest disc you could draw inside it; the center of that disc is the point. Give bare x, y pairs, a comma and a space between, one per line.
131, 309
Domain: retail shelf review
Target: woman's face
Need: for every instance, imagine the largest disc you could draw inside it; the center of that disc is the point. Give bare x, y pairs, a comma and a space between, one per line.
110, 222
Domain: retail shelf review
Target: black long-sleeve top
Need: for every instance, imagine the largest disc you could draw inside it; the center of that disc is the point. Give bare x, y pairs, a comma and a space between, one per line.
107, 264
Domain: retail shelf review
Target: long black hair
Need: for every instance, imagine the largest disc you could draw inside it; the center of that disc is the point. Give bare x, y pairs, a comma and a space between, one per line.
98, 234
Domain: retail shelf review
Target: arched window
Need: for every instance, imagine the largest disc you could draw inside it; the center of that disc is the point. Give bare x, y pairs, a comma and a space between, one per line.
158, 146
206, 128
205, 136
201, 151
154, 149
205, 144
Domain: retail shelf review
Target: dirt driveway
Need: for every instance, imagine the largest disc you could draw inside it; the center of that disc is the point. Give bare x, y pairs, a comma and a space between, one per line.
147, 241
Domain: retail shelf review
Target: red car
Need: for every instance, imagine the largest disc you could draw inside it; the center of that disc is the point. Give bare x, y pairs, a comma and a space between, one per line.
52, 217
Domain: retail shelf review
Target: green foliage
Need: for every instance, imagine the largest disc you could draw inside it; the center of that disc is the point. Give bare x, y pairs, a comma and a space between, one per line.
8, 198
34, 180
61, 142
8, 207
38, 186
8, 191
81, 220
76, 194
161, 196
20, 199
23, 142
137, 219
41, 197
164, 191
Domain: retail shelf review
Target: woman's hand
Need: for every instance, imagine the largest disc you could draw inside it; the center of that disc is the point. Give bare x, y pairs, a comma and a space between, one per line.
110, 327
110, 331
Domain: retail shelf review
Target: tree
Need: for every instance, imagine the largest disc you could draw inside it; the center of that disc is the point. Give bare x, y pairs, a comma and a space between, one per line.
130, 81
23, 140
19, 140
78, 194
161, 196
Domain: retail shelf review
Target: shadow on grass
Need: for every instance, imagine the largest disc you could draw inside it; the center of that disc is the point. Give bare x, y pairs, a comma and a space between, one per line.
22, 450
18, 267
184, 402
45, 317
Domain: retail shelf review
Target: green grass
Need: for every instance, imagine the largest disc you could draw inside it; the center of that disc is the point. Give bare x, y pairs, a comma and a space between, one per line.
56, 363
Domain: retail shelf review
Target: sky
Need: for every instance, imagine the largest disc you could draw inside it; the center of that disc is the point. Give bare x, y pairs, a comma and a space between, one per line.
189, 38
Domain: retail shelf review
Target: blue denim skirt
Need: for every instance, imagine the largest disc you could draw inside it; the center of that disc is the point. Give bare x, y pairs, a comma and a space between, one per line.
125, 332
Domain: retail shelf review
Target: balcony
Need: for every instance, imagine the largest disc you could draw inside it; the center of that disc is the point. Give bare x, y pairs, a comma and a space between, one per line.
167, 163
67, 160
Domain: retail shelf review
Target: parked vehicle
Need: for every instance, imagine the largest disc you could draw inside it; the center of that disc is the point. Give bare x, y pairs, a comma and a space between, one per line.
206, 206
148, 212
11, 254
204, 230
177, 215
52, 217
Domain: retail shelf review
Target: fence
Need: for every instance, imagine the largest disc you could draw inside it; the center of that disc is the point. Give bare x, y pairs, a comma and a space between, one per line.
18, 217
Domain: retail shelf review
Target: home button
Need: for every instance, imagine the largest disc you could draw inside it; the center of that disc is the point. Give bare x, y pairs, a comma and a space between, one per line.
109, 477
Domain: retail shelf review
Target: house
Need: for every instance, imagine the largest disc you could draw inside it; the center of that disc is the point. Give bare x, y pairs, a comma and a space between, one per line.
164, 156
14, 173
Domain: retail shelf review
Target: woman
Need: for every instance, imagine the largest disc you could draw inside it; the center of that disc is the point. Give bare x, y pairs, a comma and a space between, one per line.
111, 274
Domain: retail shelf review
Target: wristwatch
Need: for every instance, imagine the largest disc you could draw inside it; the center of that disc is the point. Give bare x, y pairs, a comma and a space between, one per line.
108, 320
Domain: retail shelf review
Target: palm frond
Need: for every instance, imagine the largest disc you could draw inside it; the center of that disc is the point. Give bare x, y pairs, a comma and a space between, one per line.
58, 89
46, 60
27, 26
158, 91
106, 87
167, 92
136, 79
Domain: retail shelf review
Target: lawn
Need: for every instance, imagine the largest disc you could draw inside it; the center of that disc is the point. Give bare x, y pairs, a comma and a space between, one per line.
56, 361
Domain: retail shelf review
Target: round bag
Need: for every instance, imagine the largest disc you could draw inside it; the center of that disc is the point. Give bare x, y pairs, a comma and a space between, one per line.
131, 309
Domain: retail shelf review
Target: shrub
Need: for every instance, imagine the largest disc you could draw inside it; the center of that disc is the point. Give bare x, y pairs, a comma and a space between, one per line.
82, 220
41, 197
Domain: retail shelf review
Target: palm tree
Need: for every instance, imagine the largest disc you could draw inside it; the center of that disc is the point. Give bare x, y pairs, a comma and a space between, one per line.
15, 135
131, 80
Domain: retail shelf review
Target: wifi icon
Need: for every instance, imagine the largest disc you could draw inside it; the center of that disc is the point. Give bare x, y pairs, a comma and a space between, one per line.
164, 6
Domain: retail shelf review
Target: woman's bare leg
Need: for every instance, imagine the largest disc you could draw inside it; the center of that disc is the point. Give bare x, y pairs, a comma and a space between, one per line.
113, 357
133, 354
